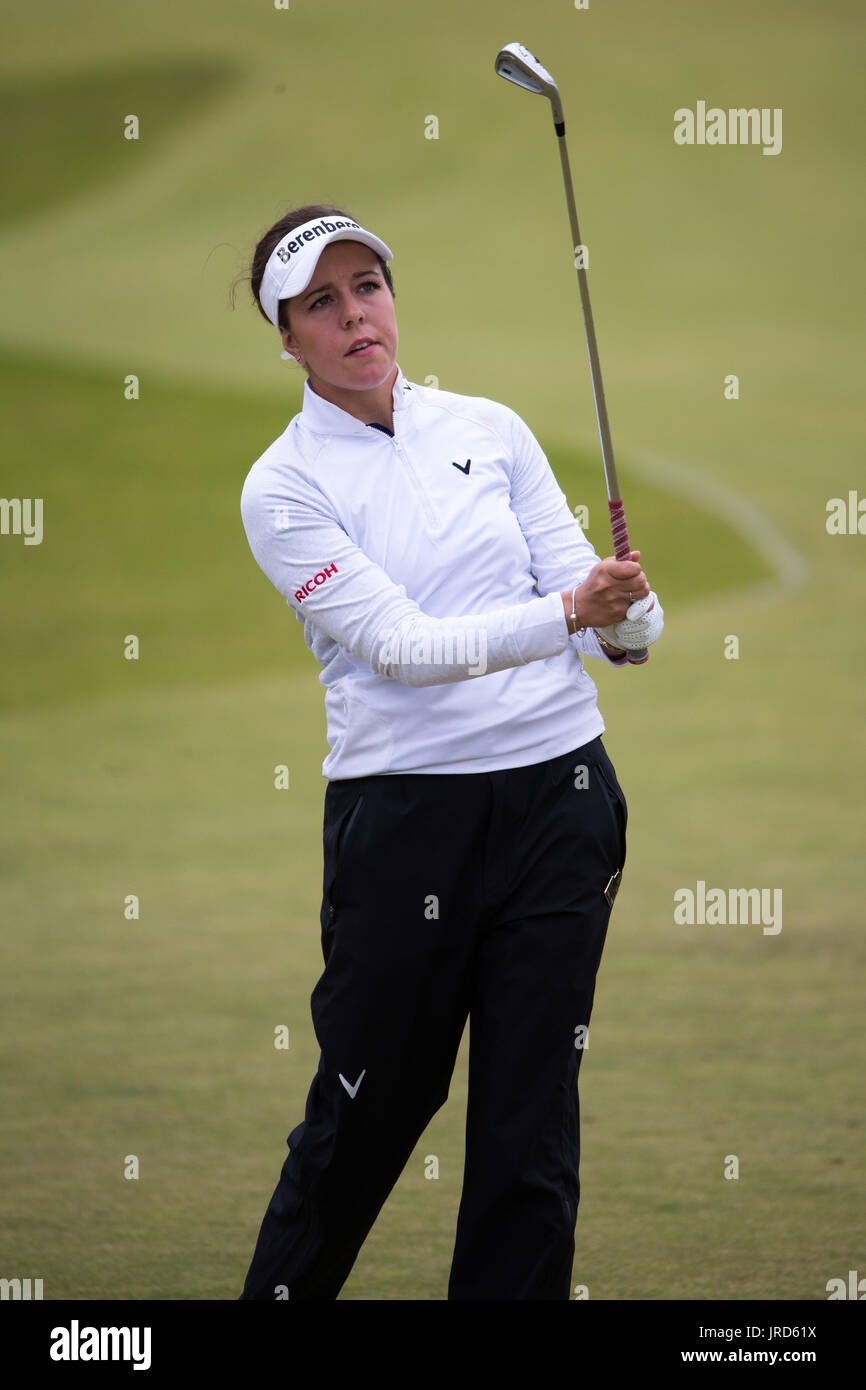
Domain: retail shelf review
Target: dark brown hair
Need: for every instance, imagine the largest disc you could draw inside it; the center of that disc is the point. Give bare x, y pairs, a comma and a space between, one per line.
274, 235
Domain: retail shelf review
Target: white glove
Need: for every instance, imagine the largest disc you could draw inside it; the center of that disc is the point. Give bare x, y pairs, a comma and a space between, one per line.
641, 626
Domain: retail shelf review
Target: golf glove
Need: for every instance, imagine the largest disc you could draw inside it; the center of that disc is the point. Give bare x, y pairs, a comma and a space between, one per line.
641, 626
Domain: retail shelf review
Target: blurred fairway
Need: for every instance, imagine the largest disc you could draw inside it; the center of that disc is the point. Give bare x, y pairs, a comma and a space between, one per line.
155, 1037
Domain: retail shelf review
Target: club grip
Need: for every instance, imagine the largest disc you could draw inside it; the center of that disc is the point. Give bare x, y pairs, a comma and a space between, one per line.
622, 551
619, 529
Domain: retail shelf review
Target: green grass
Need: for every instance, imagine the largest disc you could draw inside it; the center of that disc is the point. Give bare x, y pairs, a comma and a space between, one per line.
69, 130
154, 1036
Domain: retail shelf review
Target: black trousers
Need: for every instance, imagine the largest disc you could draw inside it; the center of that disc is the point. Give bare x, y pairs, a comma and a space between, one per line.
484, 895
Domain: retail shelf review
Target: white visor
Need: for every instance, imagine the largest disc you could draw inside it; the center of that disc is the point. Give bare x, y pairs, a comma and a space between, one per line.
292, 262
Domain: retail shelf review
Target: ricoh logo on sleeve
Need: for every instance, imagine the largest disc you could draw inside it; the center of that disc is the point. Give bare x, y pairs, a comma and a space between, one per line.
317, 579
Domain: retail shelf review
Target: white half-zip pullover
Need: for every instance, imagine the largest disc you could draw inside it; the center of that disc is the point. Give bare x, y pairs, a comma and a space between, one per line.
427, 569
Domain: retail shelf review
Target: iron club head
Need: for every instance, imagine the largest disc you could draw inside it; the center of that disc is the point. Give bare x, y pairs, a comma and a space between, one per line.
516, 64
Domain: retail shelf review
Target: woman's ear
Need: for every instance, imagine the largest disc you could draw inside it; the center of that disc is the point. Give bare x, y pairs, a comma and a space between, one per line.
290, 347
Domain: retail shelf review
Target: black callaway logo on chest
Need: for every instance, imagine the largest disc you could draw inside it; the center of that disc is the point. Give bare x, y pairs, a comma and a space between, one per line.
464, 467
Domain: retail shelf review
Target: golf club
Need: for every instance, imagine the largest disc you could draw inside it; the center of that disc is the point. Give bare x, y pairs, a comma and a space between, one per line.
517, 65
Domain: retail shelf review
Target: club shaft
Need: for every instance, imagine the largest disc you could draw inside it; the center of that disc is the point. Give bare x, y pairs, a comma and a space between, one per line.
610, 473
621, 542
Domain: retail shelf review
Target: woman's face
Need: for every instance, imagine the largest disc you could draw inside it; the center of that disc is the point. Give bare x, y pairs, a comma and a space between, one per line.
346, 300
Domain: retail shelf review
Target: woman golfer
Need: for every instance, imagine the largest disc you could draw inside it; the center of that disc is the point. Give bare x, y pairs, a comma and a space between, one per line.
474, 828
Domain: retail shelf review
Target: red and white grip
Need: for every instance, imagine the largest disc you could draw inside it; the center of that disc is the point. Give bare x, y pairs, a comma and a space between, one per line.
622, 551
